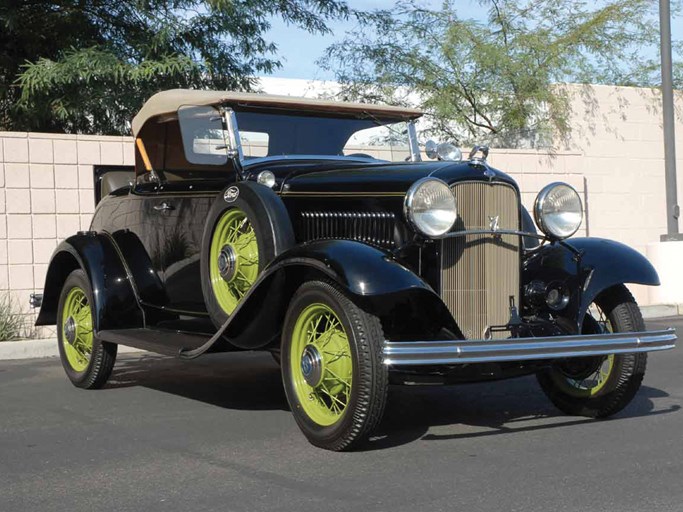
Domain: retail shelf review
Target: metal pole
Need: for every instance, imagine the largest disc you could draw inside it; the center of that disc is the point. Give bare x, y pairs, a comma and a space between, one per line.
672, 208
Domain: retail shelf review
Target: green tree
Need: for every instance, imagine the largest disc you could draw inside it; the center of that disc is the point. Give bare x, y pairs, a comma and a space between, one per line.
87, 65
494, 80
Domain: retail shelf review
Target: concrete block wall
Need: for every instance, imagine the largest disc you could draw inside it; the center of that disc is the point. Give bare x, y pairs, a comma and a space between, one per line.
618, 132
533, 170
46, 195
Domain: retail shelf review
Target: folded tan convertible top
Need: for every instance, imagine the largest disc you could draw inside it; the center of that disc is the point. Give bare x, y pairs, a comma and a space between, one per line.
168, 102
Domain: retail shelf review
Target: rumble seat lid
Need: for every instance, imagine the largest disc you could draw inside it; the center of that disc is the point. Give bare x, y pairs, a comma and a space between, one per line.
168, 102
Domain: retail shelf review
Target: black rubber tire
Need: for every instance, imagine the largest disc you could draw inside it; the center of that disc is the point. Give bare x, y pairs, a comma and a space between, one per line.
627, 372
273, 228
370, 376
103, 354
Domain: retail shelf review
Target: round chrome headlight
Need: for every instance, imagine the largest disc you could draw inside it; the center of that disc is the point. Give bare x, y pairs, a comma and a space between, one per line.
430, 207
558, 210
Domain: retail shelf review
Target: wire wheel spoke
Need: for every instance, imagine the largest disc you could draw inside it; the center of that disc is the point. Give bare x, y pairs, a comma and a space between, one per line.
335, 356
244, 239
234, 231
246, 261
334, 400
324, 339
341, 380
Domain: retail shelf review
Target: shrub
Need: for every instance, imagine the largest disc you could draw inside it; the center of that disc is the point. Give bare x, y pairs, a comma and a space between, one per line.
12, 324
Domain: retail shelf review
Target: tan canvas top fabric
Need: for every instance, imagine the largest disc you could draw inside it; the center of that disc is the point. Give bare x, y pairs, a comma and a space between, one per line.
167, 102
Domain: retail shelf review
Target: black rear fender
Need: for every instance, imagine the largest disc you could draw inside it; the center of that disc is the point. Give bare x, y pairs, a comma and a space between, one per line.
116, 305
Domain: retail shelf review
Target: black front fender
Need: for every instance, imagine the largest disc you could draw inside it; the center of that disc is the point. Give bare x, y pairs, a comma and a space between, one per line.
361, 269
608, 263
116, 305
374, 280
589, 267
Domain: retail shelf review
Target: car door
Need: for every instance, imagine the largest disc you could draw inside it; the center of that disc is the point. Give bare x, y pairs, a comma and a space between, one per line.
171, 227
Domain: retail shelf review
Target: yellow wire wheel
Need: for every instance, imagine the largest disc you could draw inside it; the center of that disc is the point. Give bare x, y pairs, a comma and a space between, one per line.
88, 361
322, 364
233, 258
77, 329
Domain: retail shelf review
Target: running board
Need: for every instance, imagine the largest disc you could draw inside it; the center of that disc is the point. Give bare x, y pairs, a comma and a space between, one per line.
161, 341
398, 353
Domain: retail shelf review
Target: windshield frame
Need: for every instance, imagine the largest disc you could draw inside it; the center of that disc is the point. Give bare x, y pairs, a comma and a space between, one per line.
232, 127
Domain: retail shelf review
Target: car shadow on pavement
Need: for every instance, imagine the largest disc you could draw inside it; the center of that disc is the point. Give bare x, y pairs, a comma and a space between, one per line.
485, 409
244, 381
251, 381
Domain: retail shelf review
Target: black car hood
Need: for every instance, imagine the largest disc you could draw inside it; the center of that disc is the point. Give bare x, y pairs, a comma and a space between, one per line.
381, 178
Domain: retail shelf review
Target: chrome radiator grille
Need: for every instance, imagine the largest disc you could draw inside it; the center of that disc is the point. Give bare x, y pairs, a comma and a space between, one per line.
376, 228
479, 273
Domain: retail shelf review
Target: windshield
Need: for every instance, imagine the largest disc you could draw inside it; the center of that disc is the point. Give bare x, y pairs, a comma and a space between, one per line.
275, 134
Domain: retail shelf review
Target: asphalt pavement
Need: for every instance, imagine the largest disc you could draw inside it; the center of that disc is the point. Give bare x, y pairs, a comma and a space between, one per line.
215, 434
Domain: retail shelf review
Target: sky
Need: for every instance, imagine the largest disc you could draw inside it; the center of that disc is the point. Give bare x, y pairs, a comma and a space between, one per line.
298, 50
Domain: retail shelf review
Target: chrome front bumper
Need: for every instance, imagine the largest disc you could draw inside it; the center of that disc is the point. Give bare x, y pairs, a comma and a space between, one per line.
400, 353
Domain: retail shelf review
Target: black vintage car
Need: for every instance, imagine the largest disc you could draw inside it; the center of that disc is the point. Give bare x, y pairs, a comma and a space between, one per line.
354, 272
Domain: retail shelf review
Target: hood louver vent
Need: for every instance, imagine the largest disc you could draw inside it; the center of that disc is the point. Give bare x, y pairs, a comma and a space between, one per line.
375, 228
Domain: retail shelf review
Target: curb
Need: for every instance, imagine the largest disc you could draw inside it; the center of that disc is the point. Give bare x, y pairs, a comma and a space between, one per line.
32, 349
661, 311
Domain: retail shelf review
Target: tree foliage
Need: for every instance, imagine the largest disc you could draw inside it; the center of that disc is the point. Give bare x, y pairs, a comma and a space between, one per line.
495, 79
87, 65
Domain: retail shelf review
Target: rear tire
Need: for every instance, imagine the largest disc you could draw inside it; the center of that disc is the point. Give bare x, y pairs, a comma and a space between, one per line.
600, 387
87, 360
332, 367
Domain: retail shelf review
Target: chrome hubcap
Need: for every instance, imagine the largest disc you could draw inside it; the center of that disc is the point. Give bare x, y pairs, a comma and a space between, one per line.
311, 366
227, 262
70, 330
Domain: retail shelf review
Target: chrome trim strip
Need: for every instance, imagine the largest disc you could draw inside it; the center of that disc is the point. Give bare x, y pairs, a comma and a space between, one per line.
454, 234
519, 349
331, 158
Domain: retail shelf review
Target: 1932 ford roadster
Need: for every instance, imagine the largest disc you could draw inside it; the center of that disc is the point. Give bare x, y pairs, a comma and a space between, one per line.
251, 224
